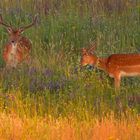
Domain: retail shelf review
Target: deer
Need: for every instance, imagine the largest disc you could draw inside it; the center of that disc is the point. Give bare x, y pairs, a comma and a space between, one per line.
18, 48
115, 65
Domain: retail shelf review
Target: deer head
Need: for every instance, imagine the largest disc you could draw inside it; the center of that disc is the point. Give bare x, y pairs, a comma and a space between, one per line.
88, 56
15, 34
18, 48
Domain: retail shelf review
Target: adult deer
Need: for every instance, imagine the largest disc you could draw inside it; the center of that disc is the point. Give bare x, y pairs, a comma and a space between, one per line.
116, 65
18, 48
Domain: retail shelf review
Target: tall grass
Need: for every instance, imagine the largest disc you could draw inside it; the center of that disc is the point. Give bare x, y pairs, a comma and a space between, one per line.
54, 85
47, 128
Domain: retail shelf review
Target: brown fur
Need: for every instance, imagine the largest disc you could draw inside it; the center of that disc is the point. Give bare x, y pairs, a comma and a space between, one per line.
18, 47
116, 65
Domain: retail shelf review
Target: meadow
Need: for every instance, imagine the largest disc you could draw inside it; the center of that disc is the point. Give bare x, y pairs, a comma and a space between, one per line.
53, 98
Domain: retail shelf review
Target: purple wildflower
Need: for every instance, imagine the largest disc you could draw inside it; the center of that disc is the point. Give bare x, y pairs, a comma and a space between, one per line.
48, 72
37, 85
53, 86
32, 71
15, 11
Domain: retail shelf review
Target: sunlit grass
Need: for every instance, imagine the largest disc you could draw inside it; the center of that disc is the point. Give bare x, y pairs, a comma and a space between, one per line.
54, 98
48, 128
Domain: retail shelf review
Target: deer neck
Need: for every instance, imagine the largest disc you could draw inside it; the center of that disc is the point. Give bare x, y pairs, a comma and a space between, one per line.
101, 63
14, 49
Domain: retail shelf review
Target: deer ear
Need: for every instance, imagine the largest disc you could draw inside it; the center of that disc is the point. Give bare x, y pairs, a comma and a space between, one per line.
9, 30
84, 51
21, 30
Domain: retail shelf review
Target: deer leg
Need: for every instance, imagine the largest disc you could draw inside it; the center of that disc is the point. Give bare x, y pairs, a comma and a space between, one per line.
28, 60
117, 81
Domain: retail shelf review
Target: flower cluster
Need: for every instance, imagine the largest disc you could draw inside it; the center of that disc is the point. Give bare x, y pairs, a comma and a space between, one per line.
44, 80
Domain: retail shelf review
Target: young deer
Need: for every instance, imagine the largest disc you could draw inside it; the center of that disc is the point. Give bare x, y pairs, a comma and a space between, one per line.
18, 48
116, 65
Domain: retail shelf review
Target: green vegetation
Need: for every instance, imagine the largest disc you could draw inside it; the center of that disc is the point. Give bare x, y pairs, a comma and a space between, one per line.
54, 84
